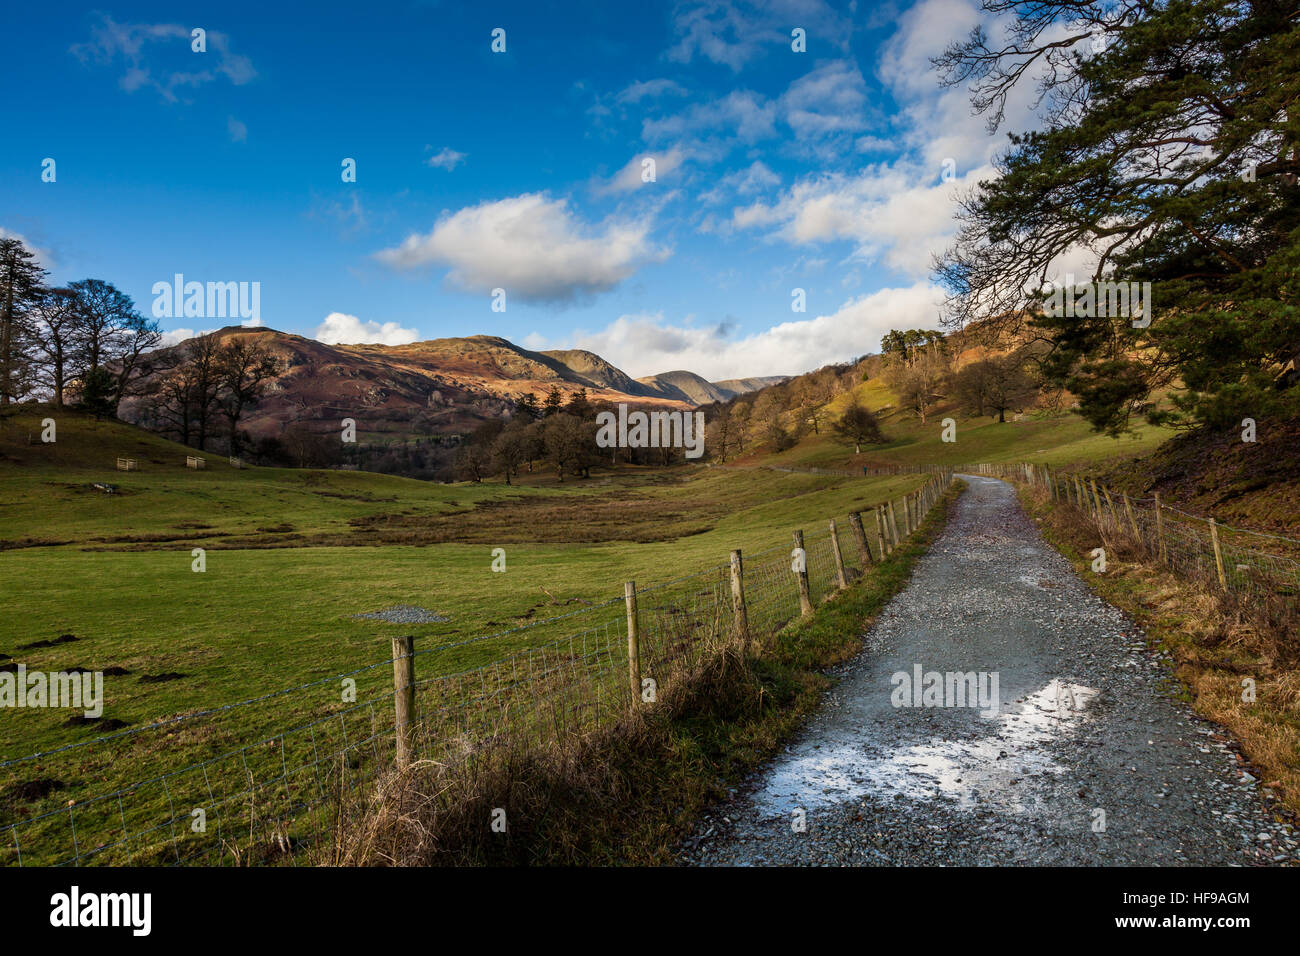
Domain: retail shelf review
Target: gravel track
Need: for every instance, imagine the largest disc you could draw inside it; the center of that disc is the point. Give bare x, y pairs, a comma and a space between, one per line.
1086, 722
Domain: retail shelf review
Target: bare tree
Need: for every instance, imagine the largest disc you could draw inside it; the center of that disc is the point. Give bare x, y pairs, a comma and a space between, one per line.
111, 335
54, 330
721, 432
511, 447
740, 418
768, 411
970, 386
918, 384
567, 443
1010, 385
858, 425
244, 369
183, 399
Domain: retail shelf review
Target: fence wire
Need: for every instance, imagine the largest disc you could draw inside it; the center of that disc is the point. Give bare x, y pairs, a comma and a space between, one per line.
1237, 561
242, 785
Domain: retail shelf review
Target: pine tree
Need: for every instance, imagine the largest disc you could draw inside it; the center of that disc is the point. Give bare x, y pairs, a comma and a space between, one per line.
21, 288
1169, 153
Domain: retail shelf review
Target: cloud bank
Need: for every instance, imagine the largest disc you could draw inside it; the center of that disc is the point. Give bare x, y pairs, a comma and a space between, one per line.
532, 246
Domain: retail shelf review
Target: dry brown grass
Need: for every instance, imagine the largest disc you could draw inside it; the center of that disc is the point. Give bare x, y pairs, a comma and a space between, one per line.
571, 803
1218, 641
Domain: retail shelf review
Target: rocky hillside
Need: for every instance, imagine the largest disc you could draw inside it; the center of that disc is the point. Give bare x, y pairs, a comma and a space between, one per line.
741, 386
685, 387
441, 386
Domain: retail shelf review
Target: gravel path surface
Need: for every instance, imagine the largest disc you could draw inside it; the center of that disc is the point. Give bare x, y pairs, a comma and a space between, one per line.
1086, 723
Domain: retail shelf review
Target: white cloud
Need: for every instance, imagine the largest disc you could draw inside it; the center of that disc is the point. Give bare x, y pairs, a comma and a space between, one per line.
237, 130
734, 32
530, 245
175, 337
351, 213
894, 213
44, 258
112, 43
342, 329
754, 178
628, 178
742, 115
646, 344
650, 89
938, 123
830, 99
898, 211
823, 109
446, 158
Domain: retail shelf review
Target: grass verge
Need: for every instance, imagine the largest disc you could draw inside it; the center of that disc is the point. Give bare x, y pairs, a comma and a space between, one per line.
1218, 643
628, 794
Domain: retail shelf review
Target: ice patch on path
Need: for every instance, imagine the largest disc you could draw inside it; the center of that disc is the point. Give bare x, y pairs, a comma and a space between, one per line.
994, 771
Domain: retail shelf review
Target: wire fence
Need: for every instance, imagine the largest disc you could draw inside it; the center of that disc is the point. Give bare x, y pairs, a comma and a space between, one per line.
1234, 560
265, 781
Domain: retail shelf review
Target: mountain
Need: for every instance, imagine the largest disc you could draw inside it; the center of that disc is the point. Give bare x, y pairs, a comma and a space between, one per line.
684, 387
739, 386
595, 372
441, 386
688, 387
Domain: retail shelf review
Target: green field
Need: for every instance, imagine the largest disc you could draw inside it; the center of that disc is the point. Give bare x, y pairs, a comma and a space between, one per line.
276, 608
293, 556
1058, 439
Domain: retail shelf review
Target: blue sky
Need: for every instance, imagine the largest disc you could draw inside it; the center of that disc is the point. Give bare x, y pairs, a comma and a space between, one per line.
775, 170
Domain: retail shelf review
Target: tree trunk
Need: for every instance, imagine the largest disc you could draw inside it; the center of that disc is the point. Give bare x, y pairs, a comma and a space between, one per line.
6, 338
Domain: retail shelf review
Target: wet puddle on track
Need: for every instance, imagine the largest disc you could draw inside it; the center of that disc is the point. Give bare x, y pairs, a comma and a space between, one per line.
995, 771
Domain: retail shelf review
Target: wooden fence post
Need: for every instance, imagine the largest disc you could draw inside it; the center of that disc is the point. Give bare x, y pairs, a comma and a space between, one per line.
840, 578
860, 537
907, 515
1218, 554
404, 697
1128, 509
893, 522
805, 597
738, 598
1160, 532
633, 642
1111, 505
880, 534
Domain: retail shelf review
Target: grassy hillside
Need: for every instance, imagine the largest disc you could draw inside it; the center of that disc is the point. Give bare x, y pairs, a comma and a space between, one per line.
1060, 439
276, 604
49, 494
1214, 473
